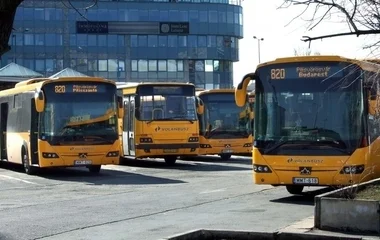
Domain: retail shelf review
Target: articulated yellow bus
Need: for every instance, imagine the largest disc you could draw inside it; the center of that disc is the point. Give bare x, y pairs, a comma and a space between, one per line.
316, 121
60, 122
225, 128
160, 120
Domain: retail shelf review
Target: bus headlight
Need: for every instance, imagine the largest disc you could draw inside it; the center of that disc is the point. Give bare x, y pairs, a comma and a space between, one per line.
49, 155
113, 154
247, 145
261, 168
193, 139
146, 140
354, 169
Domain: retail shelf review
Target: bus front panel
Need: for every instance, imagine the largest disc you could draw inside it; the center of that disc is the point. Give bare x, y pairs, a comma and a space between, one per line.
225, 127
79, 125
309, 125
166, 121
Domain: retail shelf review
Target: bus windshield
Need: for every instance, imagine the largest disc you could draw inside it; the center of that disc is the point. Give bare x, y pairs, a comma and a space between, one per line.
162, 103
223, 118
310, 107
79, 112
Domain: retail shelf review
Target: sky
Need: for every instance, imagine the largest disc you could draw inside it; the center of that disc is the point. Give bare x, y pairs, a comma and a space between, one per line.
261, 18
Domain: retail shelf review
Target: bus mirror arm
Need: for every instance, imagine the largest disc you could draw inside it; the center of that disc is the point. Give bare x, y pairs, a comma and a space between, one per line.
39, 100
120, 107
241, 89
200, 106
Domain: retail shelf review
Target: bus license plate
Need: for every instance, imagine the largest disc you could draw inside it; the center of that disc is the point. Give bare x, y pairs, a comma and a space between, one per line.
170, 150
305, 180
227, 151
82, 162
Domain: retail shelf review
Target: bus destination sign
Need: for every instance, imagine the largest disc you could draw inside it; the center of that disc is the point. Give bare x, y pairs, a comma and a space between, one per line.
79, 88
305, 72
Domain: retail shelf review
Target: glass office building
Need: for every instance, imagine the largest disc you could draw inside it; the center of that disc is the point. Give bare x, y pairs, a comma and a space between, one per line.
130, 40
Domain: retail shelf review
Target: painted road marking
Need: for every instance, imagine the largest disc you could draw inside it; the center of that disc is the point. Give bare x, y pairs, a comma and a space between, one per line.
213, 191
18, 179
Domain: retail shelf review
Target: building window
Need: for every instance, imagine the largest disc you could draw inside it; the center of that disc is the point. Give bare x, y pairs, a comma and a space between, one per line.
182, 41
162, 65
209, 67
143, 41
180, 66
152, 41
172, 65
162, 41
143, 66
102, 65
172, 41
102, 40
134, 65
152, 65
28, 39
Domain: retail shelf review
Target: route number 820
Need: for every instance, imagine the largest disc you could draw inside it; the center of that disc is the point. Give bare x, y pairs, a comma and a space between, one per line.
277, 73
60, 89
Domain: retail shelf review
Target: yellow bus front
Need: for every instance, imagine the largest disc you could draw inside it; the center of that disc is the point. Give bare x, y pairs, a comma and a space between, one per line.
165, 123
310, 125
225, 128
78, 126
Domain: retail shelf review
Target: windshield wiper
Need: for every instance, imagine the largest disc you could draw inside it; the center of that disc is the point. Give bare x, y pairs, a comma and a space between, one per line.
172, 118
338, 145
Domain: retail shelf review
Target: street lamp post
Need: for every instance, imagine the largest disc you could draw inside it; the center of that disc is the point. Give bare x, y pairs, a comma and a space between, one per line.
258, 45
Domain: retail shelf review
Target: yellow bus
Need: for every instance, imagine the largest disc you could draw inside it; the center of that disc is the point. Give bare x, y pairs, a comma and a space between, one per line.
225, 128
315, 121
60, 122
160, 120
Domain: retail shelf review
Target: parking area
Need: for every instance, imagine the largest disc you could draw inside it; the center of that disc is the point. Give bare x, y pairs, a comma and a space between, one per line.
142, 199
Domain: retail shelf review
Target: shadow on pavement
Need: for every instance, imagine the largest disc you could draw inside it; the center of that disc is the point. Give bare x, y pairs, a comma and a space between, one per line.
180, 165
104, 177
306, 198
217, 159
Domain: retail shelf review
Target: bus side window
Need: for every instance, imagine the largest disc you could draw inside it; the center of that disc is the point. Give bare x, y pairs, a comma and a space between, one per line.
126, 113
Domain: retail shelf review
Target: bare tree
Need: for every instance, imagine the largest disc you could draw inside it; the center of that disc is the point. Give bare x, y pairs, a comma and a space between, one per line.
362, 16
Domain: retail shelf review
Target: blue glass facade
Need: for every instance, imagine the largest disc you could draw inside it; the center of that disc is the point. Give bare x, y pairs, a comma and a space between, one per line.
46, 40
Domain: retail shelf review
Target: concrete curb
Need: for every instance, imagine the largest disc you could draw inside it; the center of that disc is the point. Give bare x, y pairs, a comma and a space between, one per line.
204, 234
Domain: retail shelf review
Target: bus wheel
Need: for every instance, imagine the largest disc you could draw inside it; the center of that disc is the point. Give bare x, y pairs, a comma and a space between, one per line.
292, 189
225, 156
30, 170
170, 160
94, 168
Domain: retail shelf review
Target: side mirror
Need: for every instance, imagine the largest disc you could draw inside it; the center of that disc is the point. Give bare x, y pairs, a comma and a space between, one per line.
200, 106
39, 100
120, 107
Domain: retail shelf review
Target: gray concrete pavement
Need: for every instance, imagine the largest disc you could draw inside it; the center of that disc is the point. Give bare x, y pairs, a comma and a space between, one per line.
143, 200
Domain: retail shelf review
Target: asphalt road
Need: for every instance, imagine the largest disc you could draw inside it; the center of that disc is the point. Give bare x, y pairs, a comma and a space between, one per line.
143, 200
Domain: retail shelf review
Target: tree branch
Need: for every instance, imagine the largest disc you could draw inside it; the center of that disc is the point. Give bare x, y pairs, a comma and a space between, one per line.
357, 33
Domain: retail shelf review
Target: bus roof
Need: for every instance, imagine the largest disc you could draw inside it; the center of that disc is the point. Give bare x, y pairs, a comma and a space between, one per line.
211, 91
364, 64
122, 85
36, 83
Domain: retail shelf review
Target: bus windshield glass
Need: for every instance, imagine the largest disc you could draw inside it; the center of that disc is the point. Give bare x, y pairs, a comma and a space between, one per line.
223, 118
79, 112
166, 103
316, 105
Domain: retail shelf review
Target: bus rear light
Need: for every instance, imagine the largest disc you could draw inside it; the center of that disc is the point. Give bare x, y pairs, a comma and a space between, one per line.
205, 146
193, 139
113, 154
146, 140
247, 145
261, 168
49, 155
356, 169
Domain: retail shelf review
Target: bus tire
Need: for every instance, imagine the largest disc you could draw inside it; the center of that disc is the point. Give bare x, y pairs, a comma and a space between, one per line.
225, 156
30, 170
94, 168
294, 189
170, 160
